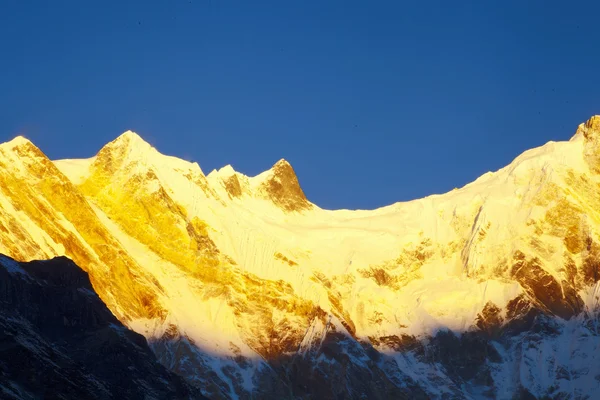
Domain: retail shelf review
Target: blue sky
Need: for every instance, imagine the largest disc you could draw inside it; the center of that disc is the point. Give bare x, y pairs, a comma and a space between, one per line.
372, 102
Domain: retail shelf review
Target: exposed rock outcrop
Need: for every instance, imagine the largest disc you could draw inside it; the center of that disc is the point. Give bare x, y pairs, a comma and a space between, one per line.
590, 130
283, 188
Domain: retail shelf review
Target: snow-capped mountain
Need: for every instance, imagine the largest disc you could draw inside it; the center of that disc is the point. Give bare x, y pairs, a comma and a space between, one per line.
249, 290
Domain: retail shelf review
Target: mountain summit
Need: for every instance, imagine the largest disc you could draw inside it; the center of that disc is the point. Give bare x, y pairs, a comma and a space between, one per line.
591, 134
128, 147
281, 185
247, 289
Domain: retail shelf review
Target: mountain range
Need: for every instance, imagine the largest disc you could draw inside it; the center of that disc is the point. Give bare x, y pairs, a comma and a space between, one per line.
244, 289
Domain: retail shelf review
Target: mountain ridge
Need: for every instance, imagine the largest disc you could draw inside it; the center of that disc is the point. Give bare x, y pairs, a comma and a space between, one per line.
589, 130
242, 285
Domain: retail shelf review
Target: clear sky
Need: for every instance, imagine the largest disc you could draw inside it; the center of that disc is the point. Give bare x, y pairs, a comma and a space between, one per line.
372, 102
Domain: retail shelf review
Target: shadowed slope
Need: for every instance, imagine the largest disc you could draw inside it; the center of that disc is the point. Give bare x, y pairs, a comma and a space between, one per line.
58, 340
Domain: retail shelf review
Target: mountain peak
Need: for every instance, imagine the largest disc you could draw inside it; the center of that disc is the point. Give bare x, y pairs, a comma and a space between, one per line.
284, 169
590, 131
226, 171
129, 138
592, 126
17, 142
283, 188
128, 146
282, 163
22, 147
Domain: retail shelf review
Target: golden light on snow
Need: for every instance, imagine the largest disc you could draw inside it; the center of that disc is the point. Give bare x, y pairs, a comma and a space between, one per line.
246, 266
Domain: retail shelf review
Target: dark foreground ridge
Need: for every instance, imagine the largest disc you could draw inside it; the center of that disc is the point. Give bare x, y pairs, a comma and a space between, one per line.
58, 340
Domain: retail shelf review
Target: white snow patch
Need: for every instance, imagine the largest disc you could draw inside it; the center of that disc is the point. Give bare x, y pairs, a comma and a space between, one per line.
76, 170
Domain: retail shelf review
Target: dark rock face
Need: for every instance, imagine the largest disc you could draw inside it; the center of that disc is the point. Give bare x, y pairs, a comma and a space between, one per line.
58, 340
559, 298
233, 187
464, 357
338, 367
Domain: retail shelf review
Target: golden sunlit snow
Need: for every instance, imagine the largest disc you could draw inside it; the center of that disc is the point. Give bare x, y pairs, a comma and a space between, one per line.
245, 266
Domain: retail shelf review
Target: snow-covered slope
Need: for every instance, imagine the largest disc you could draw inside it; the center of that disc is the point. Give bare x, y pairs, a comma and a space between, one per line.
243, 285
